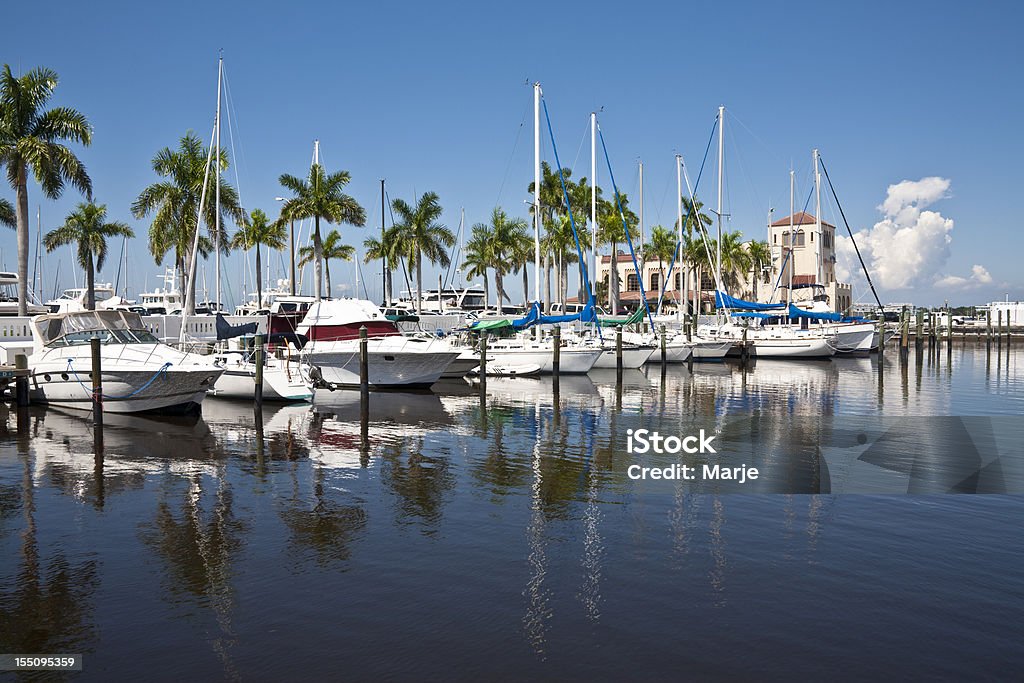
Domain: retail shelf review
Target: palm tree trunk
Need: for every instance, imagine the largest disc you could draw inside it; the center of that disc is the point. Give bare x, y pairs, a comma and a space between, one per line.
387, 287
318, 265
22, 220
419, 282
664, 285
327, 276
487, 291
526, 286
90, 285
613, 280
499, 284
259, 280
547, 283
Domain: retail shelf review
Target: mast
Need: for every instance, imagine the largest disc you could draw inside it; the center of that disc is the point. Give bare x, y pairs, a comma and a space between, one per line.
817, 220
536, 194
383, 256
789, 289
721, 164
38, 269
641, 207
593, 198
679, 222
216, 205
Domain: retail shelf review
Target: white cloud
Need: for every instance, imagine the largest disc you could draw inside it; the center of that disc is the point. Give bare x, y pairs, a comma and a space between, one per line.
979, 277
909, 247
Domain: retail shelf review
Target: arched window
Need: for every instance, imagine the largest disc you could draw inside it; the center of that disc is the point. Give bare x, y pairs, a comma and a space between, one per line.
798, 238
632, 283
678, 285
655, 282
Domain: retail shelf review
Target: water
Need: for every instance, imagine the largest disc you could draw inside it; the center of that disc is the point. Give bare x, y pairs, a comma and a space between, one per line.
446, 538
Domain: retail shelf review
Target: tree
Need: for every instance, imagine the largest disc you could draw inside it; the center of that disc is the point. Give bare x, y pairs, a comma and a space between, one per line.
87, 228
505, 236
694, 220
259, 231
552, 204
320, 197
7, 214
392, 247
332, 249
735, 259
760, 255
661, 247
174, 203
426, 236
30, 140
479, 256
610, 230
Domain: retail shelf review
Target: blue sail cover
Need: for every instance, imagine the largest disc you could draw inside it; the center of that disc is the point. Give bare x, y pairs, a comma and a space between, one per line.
750, 314
535, 317
796, 312
723, 300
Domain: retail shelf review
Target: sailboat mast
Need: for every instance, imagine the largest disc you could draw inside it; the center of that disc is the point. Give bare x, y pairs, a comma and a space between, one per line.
593, 196
641, 213
817, 220
792, 189
679, 222
38, 269
536, 194
384, 256
721, 163
216, 201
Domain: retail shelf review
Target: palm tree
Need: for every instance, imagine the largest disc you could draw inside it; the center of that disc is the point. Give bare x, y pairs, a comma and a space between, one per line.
30, 140
522, 259
320, 197
392, 247
505, 238
478, 256
662, 247
7, 214
256, 232
760, 257
552, 203
426, 237
735, 259
695, 257
175, 201
87, 228
332, 248
610, 230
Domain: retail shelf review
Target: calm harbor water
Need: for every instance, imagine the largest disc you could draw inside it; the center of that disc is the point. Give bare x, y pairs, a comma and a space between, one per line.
449, 537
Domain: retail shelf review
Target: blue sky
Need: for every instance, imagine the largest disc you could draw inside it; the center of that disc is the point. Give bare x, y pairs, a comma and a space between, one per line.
432, 96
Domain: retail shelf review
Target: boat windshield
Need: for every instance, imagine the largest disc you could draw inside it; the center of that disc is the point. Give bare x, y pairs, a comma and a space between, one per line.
110, 327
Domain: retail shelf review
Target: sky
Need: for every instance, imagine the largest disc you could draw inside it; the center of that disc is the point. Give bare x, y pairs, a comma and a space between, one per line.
914, 106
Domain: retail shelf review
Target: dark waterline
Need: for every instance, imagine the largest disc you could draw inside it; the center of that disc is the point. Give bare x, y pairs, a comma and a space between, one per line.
460, 540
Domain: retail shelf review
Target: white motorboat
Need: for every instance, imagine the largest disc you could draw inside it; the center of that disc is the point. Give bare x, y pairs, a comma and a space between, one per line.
503, 370
633, 357
284, 379
777, 342
139, 373
463, 364
395, 360
9, 297
76, 299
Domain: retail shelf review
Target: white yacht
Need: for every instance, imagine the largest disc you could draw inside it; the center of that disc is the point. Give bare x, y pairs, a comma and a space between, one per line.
76, 298
284, 377
775, 342
139, 373
395, 360
523, 351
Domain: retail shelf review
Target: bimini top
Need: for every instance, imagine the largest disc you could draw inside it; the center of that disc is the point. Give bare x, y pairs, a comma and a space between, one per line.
117, 327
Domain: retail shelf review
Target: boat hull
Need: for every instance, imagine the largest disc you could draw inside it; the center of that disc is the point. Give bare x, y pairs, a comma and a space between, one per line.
279, 384
632, 358
571, 361
388, 367
171, 391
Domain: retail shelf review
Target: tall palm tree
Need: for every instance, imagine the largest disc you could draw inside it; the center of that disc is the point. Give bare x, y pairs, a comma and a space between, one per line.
560, 243
7, 214
320, 197
552, 203
258, 231
174, 203
610, 231
393, 248
696, 261
735, 258
479, 256
30, 140
87, 228
522, 259
332, 249
760, 258
427, 237
505, 237
662, 247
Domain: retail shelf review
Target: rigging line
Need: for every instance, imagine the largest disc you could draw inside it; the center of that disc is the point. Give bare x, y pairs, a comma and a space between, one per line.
881, 309
515, 145
625, 229
572, 219
777, 157
401, 257
580, 148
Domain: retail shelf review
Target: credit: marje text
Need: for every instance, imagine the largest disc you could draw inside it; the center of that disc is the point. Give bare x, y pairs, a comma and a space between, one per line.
641, 441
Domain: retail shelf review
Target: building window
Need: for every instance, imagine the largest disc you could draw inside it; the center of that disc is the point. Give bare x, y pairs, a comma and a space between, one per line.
655, 282
812, 237
632, 283
798, 240
775, 239
678, 287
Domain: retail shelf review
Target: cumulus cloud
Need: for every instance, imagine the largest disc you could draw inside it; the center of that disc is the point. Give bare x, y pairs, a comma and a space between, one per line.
909, 247
979, 277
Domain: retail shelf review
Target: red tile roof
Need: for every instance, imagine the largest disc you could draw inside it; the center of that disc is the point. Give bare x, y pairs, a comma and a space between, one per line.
799, 218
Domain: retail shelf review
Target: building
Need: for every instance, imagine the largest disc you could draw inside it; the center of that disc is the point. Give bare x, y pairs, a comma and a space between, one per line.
803, 254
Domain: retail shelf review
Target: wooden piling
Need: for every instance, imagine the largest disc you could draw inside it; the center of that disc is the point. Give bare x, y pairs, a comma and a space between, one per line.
483, 362
618, 353
664, 356
999, 333
556, 351
988, 326
364, 368
259, 359
97, 384
904, 332
21, 380
919, 332
881, 335
744, 348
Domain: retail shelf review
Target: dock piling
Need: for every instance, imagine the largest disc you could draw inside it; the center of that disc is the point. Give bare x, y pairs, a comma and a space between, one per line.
364, 370
618, 355
97, 384
259, 358
21, 380
556, 351
483, 363
664, 356
919, 333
